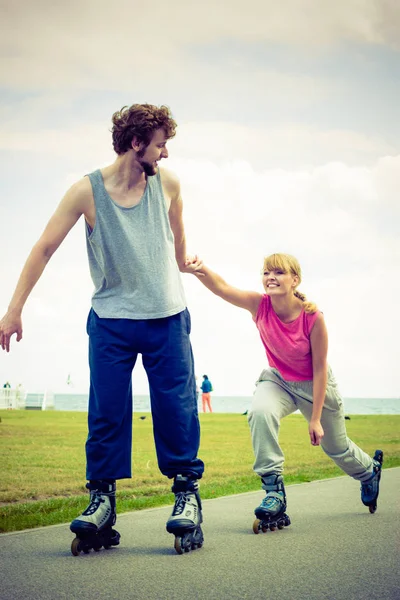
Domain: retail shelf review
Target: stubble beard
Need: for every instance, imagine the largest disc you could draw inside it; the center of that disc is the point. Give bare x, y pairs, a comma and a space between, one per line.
148, 168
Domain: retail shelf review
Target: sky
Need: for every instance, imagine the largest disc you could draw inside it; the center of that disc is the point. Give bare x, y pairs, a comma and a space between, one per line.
288, 140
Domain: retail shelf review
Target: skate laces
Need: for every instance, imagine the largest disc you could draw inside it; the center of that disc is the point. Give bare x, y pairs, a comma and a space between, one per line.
95, 501
181, 499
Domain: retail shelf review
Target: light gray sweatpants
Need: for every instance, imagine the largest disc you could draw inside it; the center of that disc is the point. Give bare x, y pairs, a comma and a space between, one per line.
275, 398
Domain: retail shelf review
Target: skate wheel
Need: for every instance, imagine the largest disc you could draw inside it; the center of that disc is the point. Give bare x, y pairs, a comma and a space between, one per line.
178, 545
256, 526
75, 546
264, 528
196, 545
198, 538
280, 525
272, 527
372, 509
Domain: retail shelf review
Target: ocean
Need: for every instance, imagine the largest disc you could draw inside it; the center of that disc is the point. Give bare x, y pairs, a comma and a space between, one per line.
220, 404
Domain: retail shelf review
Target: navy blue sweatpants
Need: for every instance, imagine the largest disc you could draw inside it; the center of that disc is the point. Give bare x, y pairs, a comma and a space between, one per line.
168, 360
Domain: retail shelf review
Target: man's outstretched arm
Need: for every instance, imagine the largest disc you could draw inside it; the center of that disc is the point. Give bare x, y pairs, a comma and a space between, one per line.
62, 221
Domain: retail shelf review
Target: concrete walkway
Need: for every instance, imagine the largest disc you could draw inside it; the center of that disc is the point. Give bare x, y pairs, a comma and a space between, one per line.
334, 550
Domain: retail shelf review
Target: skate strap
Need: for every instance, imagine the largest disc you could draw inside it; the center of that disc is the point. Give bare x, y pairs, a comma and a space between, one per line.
103, 487
270, 487
185, 484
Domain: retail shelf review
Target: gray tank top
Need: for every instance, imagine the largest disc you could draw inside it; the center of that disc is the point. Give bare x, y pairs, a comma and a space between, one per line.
132, 256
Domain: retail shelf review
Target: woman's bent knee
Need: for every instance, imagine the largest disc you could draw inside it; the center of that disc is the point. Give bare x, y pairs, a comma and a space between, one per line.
265, 417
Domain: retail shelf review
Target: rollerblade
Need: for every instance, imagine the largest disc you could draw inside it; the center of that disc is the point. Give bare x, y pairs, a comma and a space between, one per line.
93, 528
271, 512
186, 516
370, 488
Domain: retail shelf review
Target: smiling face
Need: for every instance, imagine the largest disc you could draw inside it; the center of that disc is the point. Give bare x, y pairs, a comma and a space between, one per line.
149, 156
281, 274
279, 283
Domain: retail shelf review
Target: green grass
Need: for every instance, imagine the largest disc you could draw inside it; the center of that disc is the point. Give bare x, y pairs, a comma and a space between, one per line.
43, 460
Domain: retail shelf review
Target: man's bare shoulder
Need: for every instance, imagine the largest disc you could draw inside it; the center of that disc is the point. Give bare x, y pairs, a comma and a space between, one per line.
82, 188
79, 194
170, 180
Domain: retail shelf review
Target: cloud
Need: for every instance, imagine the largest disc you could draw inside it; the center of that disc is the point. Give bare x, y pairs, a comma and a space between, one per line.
309, 208
286, 145
92, 139
93, 44
264, 147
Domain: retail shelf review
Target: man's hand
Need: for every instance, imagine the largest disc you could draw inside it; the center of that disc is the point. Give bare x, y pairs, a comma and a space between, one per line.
9, 325
193, 264
316, 432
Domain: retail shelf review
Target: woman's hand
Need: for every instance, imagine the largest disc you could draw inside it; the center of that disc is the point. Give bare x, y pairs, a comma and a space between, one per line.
316, 432
193, 264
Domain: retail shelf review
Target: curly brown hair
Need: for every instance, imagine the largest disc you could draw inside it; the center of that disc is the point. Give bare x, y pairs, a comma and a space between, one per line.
141, 121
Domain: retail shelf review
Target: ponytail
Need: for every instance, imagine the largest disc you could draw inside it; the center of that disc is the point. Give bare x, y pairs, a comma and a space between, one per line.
309, 307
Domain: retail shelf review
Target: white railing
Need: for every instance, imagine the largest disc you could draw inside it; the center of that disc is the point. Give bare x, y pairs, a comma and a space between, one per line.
12, 398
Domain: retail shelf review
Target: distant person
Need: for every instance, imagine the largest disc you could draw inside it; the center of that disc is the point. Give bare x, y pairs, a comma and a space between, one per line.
295, 339
7, 395
206, 388
136, 248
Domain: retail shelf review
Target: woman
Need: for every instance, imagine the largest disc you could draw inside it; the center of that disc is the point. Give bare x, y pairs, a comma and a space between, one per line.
295, 339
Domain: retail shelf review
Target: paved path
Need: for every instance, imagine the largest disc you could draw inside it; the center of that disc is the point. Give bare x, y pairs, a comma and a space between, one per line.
334, 550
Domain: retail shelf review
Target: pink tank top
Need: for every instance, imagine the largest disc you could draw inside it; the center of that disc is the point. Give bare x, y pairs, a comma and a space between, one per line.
287, 345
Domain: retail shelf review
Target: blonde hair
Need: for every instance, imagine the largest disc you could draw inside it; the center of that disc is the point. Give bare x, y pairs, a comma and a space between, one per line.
289, 264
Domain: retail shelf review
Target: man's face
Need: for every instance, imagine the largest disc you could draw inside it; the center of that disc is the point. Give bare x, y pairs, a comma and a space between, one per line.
149, 156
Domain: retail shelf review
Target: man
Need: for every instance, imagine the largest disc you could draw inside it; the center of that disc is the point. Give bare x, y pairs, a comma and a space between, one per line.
136, 248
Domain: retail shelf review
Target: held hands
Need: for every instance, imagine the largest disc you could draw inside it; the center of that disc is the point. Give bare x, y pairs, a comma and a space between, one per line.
9, 325
193, 264
316, 432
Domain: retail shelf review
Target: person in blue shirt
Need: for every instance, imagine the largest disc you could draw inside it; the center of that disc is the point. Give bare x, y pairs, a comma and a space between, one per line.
206, 388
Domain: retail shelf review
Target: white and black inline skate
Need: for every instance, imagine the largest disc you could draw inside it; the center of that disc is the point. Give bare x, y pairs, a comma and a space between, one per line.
271, 512
184, 522
94, 527
370, 488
